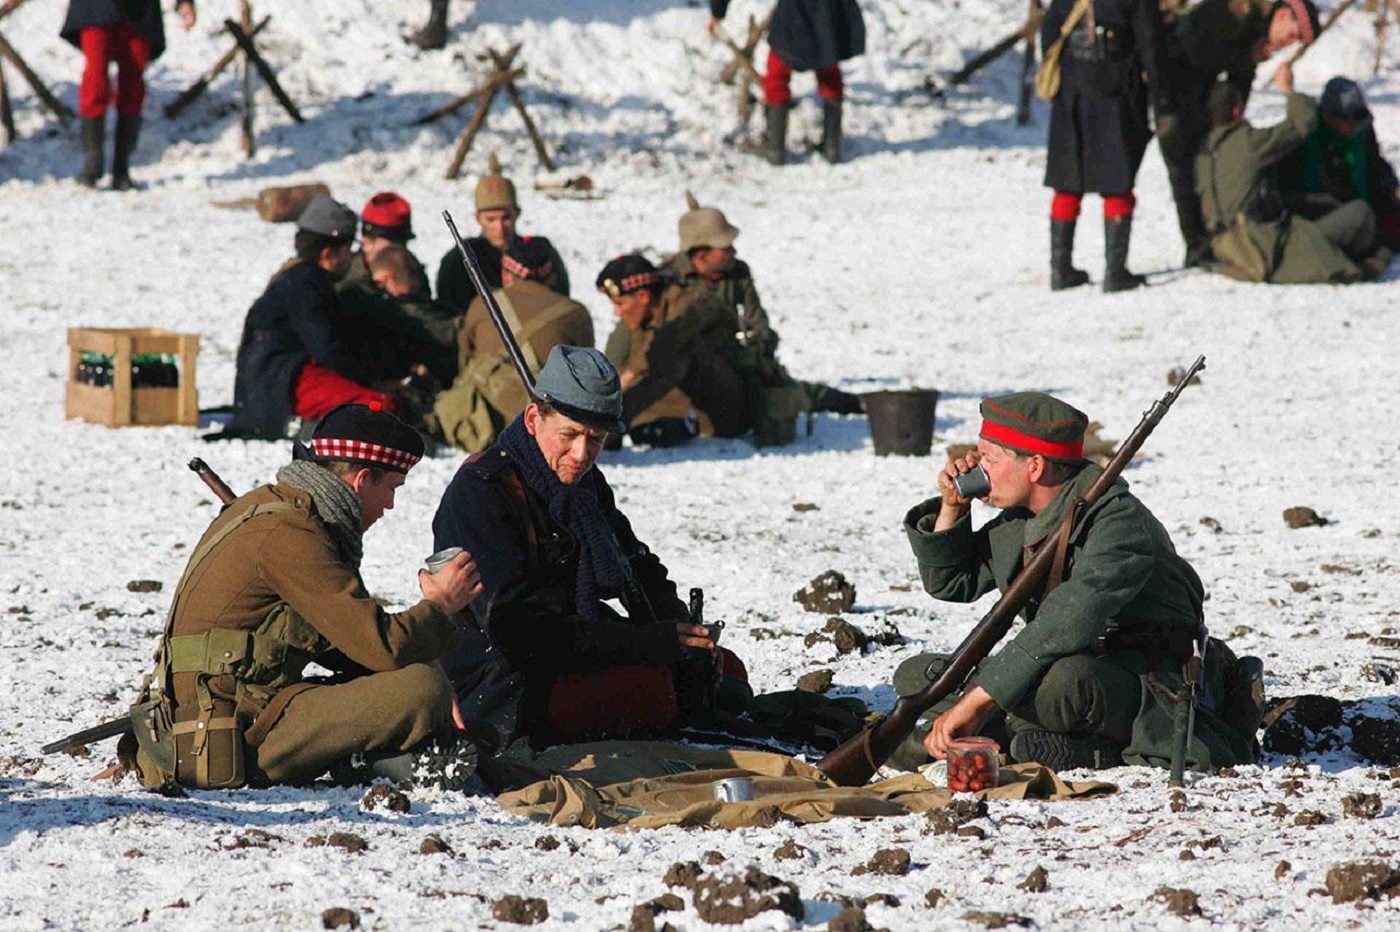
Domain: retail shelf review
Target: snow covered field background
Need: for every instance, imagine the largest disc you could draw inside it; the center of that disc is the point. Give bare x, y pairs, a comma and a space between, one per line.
920, 262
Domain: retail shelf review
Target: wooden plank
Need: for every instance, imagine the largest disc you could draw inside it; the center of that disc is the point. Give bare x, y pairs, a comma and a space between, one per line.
53, 103
188, 410
7, 113
121, 382
464, 142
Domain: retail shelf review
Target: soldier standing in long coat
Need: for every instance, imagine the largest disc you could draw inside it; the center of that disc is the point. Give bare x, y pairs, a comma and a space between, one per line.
1098, 127
130, 33
806, 35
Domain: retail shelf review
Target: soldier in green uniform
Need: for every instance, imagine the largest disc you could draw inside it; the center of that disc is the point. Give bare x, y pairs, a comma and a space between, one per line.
273, 585
707, 262
1252, 232
426, 331
487, 394
681, 353
1071, 689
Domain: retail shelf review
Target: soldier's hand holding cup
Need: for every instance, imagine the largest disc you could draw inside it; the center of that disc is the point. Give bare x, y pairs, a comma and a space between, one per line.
959, 483
450, 580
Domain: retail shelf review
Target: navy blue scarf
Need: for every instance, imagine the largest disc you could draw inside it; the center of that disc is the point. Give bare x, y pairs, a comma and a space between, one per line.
576, 507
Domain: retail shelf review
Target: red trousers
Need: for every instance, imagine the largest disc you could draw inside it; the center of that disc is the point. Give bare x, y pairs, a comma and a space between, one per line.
102, 45
621, 702
777, 82
1065, 205
318, 390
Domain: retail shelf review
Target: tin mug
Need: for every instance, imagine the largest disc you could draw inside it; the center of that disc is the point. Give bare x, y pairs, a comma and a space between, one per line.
435, 563
733, 790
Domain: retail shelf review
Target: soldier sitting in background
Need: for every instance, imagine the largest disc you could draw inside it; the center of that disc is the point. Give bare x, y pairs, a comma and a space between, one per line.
426, 330
273, 585
497, 211
681, 357
1090, 680
707, 263
292, 360
487, 394
387, 220
1341, 161
1254, 236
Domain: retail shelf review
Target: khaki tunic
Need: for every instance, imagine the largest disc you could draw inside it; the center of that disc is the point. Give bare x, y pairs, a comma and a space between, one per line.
479, 336
282, 576
1232, 180
684, 357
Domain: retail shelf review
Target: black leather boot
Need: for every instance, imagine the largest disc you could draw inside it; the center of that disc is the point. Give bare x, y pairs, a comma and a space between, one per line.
775, 134
93, 129
1116, 235
1063, 274
123, 143
433, 35
831, 131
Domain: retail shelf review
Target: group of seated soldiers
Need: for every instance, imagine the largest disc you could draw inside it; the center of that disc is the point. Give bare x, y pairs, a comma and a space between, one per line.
693, 342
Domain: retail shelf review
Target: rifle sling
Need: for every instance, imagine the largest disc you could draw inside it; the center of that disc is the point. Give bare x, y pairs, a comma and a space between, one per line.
1062, 535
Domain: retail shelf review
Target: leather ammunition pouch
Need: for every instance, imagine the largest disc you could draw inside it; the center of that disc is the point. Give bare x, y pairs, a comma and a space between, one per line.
237, 672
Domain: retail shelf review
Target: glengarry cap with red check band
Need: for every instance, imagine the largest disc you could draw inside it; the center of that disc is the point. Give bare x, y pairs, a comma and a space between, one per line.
627, 274
1034, 422
362, 434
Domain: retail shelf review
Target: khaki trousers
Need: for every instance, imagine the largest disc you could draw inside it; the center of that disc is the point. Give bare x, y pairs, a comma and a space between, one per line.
388, 712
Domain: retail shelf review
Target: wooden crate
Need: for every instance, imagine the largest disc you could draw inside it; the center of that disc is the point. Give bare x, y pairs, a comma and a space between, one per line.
120, 404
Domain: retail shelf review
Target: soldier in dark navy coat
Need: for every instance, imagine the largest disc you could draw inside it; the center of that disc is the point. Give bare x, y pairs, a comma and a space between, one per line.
292, 360
1098, 127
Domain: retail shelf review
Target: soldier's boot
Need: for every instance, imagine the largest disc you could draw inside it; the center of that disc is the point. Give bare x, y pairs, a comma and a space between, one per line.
825, 398
444, 763
831, 131
1374, 265
93, 130
775, 133
666, 431
433, 35
123, 144
1063, 752
1117, 233
1063, 274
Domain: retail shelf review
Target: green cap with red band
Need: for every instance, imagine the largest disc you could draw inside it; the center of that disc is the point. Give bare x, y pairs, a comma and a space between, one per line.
1034, 422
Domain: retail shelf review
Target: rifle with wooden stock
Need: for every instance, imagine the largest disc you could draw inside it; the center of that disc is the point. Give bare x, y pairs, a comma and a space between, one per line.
121, 725
855, 762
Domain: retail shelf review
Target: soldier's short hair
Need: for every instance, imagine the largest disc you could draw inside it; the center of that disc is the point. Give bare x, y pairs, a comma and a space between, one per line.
399, 263
308, 245
1223, 103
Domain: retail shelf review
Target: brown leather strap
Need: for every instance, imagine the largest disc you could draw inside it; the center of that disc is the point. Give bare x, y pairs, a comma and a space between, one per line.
1062, 536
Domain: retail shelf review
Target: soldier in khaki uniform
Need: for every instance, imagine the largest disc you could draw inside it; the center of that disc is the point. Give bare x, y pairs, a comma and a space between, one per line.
1090, 679
1252, 233
707, 263
487, 394
497, 211
273, 585
681, 353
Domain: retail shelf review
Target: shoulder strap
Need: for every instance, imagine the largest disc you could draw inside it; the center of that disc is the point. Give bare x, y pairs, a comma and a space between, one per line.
524, 333
163, 660
1062, 536
1072, 20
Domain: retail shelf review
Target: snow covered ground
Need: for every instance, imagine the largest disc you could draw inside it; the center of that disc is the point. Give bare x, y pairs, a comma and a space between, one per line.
921, 261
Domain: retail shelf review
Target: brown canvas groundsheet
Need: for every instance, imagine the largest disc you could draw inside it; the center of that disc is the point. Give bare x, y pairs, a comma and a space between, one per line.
651, 784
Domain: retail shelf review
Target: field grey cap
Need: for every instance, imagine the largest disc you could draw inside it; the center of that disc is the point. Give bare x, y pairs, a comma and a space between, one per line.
582, 385
328, 217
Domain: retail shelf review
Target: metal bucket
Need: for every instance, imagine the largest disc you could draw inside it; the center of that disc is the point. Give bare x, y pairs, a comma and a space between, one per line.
901, 422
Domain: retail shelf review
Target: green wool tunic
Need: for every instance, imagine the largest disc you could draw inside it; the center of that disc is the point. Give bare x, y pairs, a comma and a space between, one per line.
1122, 574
